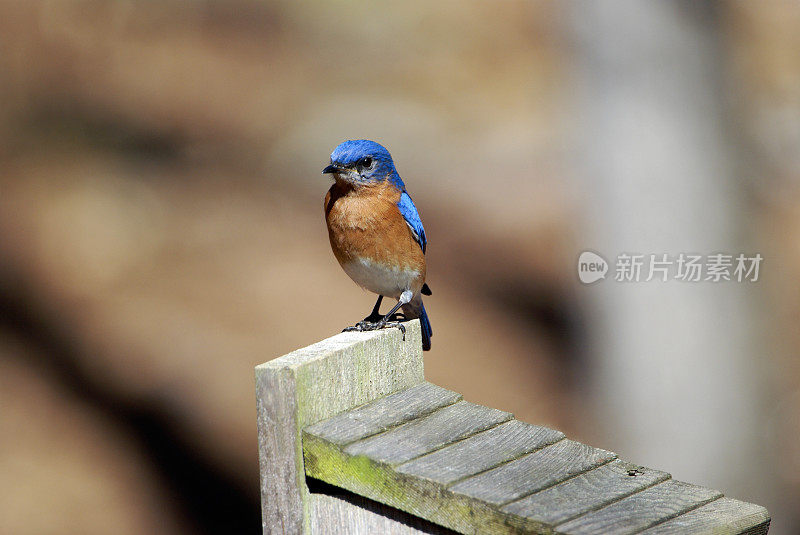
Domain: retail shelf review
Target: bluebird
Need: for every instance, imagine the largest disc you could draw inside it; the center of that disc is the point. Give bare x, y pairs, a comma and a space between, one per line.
376, 233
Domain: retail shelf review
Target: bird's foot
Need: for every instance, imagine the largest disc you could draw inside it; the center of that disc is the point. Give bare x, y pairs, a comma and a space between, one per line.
363, 326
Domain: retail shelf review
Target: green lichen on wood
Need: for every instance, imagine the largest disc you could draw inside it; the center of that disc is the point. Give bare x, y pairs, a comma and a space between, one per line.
418, 496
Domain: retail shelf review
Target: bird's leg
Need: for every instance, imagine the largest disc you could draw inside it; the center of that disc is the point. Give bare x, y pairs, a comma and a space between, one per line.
387, 320
375, 315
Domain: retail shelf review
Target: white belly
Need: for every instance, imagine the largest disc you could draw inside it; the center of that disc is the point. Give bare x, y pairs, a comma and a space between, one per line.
380, 278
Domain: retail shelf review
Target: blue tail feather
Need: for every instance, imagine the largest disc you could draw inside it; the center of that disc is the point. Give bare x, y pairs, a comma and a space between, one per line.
427, 332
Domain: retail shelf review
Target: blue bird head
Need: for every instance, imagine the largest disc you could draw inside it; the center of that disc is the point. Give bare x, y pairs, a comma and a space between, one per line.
362, 162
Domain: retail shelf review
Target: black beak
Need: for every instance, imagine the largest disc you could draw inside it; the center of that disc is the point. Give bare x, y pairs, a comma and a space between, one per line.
330, 169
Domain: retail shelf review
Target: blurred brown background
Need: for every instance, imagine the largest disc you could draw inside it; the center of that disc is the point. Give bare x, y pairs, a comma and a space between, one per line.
162, 233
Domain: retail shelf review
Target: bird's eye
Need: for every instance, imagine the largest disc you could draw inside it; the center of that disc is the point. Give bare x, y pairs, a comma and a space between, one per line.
366, 162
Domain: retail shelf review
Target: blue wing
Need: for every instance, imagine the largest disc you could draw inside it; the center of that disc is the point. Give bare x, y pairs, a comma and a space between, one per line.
409, 211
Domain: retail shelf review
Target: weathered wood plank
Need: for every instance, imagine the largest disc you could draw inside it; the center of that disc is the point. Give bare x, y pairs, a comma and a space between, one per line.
384, 413
454, 479
428, 433
480, 452
332, 515
419, 496
725, 516
641, 510
586, 492
281, 481
312, 384
533, 472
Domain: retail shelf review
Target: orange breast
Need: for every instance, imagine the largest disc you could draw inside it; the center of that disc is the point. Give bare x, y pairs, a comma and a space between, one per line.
365, 223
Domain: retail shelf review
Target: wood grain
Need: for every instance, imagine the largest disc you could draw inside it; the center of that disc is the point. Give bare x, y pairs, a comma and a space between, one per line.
720, 517
533, 472
481, 452
332, 515
428, 433
384, 413
586, 492
641, 510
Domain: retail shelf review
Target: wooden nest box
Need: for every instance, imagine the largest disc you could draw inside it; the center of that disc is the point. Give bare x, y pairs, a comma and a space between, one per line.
353, 440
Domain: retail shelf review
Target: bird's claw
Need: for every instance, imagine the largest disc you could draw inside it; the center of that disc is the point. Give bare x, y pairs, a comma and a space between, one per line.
363, 326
